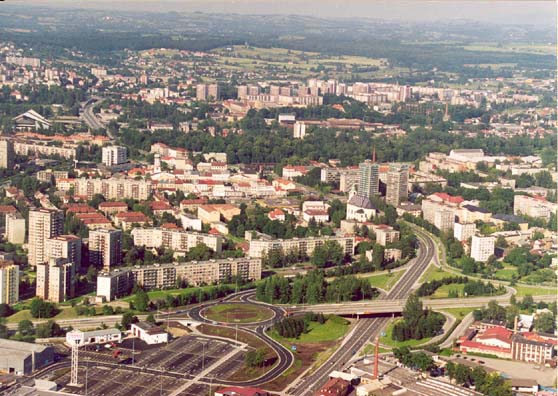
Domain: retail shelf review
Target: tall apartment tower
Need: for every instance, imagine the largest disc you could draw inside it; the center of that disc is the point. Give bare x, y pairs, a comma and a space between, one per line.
397, 184
113, 155
369, 177
64, 246
9, 282
214, 91
201, 92
6, 154
105, 248
15, 228
43, 224
56, 280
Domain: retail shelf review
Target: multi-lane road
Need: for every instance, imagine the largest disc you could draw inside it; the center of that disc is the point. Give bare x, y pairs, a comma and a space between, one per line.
368, 328
89, 117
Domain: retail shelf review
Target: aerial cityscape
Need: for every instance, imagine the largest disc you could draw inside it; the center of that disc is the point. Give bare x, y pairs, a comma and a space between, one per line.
260, 198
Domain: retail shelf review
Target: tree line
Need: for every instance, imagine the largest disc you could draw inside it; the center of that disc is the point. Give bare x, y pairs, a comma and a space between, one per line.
313, 288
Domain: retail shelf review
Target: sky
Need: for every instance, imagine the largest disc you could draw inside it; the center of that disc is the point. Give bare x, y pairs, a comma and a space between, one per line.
533, 12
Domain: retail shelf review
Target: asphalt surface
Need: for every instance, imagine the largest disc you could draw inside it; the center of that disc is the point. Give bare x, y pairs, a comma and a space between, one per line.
284, 355
368, 328
90, 119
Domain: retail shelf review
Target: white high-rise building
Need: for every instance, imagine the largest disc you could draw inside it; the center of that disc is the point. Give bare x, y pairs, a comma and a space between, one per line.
368, 179
397, 185
482, 247
464, 231
9, 282
114, 155
66, 247
15, 228
6, 154
105, 248
43, 224
55, 280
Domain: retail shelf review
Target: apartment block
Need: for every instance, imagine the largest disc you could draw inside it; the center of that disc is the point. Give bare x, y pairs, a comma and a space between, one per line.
15, 228
535, 350
105, 248
114, 155
482, 247
397, 185
6, 154
9, 282
56, 280
113, 188
463, 231
43, 224
120, 282
386, 234
537, 206
64, 246
261, 247
368, 179
176, 239
24, 148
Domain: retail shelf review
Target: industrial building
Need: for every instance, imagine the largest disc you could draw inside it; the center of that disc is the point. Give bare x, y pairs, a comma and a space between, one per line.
93, 337
22, 358
149, 333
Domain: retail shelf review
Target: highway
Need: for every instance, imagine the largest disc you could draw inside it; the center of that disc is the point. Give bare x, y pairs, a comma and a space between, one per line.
368, 328
90, 119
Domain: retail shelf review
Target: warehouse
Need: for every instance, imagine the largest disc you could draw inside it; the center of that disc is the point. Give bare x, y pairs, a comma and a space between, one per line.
93, 337
149, 333
23, 358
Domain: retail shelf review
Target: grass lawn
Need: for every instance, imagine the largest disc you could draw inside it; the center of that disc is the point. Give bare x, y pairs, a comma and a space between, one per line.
388, 342
434, 273
460, 313
162, 294
505, 273
238, 313
24, 314
443, 291
370, 348
523, 290
334, 328
385, 281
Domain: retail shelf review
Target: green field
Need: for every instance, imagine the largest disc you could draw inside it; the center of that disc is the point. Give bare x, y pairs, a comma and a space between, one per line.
238, 313
385, 281
505, 273
65, 313
434, 273
334, 328
388, 342
460, 313
523, 290
370, 348
539, 48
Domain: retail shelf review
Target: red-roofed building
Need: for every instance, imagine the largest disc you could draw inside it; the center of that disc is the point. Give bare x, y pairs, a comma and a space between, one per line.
7, 209
160, 207
192, 204
334, 387
127, 220
79, 208
446, 198
276, 214
110, 208
94, 220
320, 216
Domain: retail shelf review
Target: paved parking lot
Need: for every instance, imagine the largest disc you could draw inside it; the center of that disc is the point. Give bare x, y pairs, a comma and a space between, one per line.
179, 361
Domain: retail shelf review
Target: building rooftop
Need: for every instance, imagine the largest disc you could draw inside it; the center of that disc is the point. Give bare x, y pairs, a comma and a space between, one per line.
361, 202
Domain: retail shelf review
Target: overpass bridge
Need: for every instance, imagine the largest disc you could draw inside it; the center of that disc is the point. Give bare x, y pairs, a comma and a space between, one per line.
386, 307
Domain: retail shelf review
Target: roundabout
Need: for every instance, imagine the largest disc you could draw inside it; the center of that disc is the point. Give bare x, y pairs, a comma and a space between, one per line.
238, 313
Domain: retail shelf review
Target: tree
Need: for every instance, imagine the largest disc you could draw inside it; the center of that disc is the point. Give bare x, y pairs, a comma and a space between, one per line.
127, 319
3, 328
545, 323
48, 329
42, 309
26, 328
255, 358
150, 319
141, 300
108, 310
